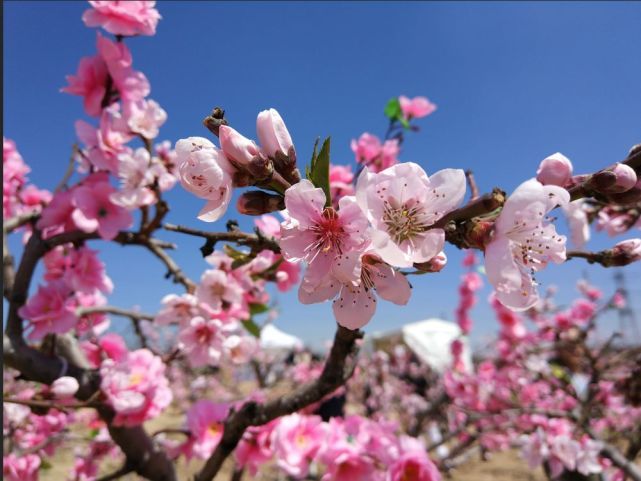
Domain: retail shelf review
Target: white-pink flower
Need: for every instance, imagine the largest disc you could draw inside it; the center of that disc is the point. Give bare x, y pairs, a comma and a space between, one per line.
578, 222
319, 235
524, 242
136, 175
145, 117
177, 309
217, 289
133, 17
403, 203
354, 283
205, 172
203, 338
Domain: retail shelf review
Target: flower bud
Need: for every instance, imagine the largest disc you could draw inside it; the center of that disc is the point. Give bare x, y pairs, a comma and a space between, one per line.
257, 202
435, 264
625, 252
64, 387
554, 170
615, 180
272, 133
203, 169
214, 120
239, 149
260, 167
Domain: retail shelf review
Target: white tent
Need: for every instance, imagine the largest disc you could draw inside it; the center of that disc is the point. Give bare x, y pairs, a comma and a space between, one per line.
430, 340
272, 338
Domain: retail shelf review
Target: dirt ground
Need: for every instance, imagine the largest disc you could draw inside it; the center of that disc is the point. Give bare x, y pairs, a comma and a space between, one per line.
504, 466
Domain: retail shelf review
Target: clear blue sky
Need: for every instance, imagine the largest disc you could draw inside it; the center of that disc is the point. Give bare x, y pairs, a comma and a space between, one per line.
514, 82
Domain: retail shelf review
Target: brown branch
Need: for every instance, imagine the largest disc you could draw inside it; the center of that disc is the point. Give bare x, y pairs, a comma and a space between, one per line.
606, 258
173, 270
69, 172
13, 223
125, 470
255, 241
585, 188
134, 316
338, 368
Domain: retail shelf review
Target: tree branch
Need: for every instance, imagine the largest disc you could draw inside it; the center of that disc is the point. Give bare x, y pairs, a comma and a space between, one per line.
134, 316
255, 241
335, 373
173, 270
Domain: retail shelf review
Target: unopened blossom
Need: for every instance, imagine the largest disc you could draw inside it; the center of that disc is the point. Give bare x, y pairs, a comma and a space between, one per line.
95, 211
123, 18
617, 179
524, 242
205, 172
205, 422
578, 222
90, 82
272, 133
629, 250
106, 143
202, 340
145, 117
65, 387
416, 107
136, 177
319, 235
20, 468
49, 310
341, 180
131, 84
297, 439
237, 148
136, 387
555, 170
402, 203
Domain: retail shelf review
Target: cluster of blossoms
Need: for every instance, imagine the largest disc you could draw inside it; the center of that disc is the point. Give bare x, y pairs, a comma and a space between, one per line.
470, 283
352, 448
537, 386
18, 197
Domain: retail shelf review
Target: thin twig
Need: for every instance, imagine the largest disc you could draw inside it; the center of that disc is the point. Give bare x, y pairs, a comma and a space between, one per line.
241, 238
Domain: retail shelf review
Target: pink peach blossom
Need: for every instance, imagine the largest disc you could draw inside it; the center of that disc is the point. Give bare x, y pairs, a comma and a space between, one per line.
136, 387
237, 148
256, 447
416, 108
131, 84
136, 177
178, 309
145, 117
402, 203
297, 439
523, 243
413, 463
20, 468
319, 235
202, 340
373, 154
90, 82
96, 212
340, 182
205, 424
50, 310
123, 18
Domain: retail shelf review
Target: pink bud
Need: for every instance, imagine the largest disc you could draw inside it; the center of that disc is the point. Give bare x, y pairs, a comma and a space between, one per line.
65, 387
554, 170
238, 148
626, 178
272, 133
628, 250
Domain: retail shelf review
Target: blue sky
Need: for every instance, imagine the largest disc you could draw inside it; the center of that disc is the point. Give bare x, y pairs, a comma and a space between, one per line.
514, 82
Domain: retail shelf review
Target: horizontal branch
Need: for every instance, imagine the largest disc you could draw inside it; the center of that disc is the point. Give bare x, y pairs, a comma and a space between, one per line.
337, 370
9, 225
486, 204
116, 311
254, 241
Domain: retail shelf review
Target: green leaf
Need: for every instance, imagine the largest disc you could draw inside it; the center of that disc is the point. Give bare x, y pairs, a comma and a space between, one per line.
393, 109
251, 327
318, 171
45, 464
308, 168
258, 308
404, 122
